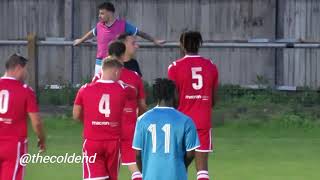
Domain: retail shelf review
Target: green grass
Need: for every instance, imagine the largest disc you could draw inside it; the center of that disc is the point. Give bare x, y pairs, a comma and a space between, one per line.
259, 135
244, 151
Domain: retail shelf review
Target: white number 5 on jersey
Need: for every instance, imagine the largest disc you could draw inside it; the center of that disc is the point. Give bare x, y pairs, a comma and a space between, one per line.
104, 105
197, 76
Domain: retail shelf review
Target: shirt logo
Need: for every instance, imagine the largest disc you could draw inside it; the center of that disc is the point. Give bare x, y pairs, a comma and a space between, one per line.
6, 121
204, 98
128, 110
105, 123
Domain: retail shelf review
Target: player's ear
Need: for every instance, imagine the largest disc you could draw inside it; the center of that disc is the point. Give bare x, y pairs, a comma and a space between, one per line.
182, 51
118, 72
19, 71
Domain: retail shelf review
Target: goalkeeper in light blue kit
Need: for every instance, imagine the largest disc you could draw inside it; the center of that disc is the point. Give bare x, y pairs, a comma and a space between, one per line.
164, 139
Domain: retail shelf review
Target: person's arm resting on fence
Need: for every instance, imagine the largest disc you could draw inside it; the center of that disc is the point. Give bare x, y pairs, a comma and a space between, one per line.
150, 38
87, 36
132, 30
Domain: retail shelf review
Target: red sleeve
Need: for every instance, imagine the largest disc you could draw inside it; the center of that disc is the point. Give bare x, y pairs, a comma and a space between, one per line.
79, 99
141, 93
32, 105
171, 72
130, 92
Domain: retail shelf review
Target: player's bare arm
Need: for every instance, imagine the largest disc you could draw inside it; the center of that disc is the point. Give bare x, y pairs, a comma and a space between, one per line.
77, 113
87, 36
188, 158
214, 96
37, 126
150, 38
142, 105
139, 160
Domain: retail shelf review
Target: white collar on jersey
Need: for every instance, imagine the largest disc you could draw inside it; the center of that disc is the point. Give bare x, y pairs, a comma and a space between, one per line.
186, 56
163, 107
105, 81
7, 77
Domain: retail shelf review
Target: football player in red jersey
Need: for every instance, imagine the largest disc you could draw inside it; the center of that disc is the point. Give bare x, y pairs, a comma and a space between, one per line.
132, 108
196, 79
17, 101
100, 106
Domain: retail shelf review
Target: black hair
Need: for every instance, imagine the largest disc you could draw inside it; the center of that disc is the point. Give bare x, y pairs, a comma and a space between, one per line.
110, 62
15, 60
107, 6
191, 41
117, 49
123, 37
163, 89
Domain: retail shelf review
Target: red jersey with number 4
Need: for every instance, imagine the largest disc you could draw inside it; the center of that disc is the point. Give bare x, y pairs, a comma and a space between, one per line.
196, 78
102, 103
133, 79
16, 101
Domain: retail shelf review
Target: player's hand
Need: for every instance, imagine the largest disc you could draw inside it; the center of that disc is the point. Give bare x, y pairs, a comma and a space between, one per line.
77, 42
41, 146
159, 42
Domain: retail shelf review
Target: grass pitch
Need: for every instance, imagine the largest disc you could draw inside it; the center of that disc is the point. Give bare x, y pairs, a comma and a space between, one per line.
242, 152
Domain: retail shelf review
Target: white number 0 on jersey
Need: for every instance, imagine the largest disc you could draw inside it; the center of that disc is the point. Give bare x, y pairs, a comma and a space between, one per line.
104, 105
4, 101
195, 75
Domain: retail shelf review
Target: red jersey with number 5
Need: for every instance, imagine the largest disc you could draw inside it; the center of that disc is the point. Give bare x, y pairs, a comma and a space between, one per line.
102, 104
16, 101
196, 78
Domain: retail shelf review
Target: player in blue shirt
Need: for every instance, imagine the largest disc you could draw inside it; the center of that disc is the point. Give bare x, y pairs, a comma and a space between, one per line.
164, 139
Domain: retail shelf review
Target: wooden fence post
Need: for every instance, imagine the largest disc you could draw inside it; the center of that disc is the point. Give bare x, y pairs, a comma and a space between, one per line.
68, 34
33, 62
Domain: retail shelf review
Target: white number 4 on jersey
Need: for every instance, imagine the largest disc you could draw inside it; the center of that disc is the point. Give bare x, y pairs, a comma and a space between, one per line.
104, 105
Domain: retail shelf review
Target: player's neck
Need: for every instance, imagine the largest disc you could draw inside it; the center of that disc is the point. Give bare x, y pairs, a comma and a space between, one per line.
126, 58
107, 77
110, 21
191, 54
10, 75
163, 103
121, 61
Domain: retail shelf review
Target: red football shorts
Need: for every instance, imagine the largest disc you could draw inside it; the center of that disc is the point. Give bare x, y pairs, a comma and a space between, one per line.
106, 165
205, 138
128, 155
10, 153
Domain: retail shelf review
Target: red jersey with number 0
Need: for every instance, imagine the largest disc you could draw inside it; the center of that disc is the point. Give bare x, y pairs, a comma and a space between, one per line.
16, 101
196, 78
102, 104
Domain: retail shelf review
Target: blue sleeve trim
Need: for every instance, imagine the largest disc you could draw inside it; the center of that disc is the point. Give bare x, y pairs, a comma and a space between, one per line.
94, 31
131, 29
